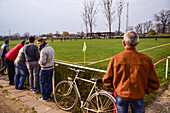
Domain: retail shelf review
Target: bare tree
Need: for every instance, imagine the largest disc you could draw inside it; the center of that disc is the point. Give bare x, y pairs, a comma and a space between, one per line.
169, 27
158, 28
109, 12
163, 19
27, 34
130, 28
138, 28
119, 8
85, 16
16, 35
92, 10
148, 26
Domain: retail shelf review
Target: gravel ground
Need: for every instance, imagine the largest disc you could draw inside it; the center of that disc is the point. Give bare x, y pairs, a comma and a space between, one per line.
12, 105
161, 103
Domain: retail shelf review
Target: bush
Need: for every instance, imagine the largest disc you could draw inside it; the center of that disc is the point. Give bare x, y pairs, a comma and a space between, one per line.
151, 32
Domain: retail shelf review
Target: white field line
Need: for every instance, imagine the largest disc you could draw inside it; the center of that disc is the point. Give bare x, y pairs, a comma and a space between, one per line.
70, 62
90, 63
138, 51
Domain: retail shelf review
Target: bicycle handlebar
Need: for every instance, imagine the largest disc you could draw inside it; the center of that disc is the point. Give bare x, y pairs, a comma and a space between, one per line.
74, 69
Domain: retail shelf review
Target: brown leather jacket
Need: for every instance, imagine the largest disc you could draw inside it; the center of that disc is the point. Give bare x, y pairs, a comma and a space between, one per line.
131, 74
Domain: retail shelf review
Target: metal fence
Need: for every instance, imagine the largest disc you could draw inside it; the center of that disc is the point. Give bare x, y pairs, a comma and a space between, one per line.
75, 66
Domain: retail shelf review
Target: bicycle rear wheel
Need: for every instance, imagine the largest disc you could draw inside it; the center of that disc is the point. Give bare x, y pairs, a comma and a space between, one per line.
102, 103
65, 95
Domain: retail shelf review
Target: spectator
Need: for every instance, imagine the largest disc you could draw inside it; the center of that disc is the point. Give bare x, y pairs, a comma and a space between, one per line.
4, 50
61, 39
10, 58
156, 37
20, 69
47, 66
32, 55
132, 75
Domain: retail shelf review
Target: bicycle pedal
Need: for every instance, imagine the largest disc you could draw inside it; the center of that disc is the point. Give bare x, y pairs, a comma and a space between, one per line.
81, 103
69, 78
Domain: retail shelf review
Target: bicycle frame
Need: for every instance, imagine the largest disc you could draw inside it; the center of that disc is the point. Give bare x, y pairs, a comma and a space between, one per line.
77, 90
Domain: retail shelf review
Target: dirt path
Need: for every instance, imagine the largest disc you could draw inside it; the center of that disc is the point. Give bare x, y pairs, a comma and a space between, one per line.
161, 103
14, 105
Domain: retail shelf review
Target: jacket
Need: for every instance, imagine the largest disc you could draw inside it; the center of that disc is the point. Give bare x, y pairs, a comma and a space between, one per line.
4, 49
131, 74
12, 54
47, 58
21, 57
31, 53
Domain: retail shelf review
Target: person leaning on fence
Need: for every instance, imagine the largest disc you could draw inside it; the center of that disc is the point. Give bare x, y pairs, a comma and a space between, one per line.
9, 60
4, 50
20, 69
32, 55
47, 66
132, 75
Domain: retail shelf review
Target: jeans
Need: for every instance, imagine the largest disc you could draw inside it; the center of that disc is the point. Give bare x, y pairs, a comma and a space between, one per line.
3, 65
46, 76
136, 106
20, 70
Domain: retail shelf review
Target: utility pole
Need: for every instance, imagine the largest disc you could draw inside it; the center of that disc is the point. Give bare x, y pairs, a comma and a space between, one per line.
9, 34
127, 16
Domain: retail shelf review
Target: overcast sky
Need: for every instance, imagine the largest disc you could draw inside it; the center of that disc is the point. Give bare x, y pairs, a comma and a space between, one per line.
45, 16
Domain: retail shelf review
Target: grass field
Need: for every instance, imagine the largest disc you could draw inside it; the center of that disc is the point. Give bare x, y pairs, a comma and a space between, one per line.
99, 49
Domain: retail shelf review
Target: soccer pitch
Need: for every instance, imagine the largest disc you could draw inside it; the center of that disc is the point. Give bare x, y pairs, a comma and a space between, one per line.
99, 51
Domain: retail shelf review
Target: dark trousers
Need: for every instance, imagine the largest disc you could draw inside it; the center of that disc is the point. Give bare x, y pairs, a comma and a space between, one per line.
11, 70
3, 65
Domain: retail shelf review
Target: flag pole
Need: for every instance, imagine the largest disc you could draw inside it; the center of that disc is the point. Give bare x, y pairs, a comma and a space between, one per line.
84, 58
84, 49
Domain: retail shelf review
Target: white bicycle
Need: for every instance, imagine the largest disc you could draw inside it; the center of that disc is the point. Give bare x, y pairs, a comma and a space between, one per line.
67, 95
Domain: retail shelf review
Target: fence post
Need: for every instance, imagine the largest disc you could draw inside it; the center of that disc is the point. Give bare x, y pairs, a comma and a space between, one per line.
53, 79
167, 67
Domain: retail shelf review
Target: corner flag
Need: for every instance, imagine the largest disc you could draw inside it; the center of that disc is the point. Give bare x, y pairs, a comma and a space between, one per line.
84, 47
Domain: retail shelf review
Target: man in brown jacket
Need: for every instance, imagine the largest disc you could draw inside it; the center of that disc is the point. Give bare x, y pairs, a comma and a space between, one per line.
132, 75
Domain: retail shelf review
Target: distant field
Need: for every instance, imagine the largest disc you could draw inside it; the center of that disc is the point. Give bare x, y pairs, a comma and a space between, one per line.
99, 49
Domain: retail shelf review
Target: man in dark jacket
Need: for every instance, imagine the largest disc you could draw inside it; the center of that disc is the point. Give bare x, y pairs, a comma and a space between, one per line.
32, 55
4, 50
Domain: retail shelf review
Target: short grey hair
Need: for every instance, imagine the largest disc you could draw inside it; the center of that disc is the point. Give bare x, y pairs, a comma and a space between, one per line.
131, 38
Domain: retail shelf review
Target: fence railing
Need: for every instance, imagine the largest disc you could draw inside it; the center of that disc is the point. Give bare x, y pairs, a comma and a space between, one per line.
166, 72
75, 66
103, 71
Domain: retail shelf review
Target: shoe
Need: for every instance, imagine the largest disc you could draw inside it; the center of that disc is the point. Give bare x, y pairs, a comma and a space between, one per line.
31, 88
11, 84
22, 88
36, 90
48, 99
41, 99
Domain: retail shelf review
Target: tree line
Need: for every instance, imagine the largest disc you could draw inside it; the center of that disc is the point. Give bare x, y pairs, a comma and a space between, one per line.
160, 22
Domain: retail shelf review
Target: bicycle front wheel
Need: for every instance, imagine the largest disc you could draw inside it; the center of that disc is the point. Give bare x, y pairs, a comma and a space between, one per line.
101, 103
65, 95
